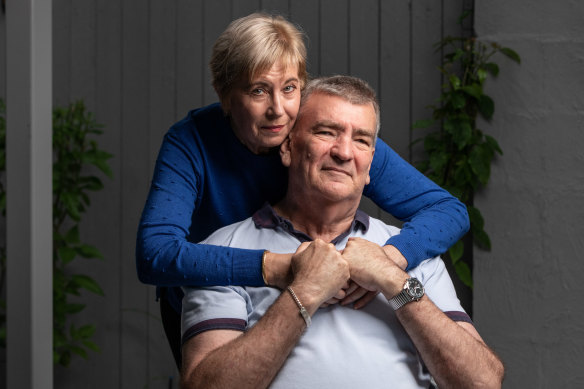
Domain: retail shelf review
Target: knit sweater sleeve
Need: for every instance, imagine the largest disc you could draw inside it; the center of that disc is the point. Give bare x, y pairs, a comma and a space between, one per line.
165, 254
434, 219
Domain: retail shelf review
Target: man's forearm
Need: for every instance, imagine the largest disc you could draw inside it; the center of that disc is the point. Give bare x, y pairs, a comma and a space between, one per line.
454, 357
253, 359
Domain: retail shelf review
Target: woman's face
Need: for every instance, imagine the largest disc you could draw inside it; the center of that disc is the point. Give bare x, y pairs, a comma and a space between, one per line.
263, 111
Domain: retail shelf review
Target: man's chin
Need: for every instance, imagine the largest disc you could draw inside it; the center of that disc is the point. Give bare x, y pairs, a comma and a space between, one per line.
330, 194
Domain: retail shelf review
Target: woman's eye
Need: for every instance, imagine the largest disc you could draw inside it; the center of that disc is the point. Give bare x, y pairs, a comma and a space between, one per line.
257, 91
289, 88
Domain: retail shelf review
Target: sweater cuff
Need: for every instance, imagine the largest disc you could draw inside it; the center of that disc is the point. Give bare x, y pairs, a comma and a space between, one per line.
247, 270
413, 252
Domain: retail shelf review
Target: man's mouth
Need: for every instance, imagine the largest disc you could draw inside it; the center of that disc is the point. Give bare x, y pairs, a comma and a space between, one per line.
337, 170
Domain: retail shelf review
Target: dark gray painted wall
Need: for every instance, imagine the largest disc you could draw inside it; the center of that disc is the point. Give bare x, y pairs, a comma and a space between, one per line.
139, 65
529, 290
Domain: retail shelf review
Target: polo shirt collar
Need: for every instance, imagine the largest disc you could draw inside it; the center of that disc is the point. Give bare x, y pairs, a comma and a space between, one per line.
266, 217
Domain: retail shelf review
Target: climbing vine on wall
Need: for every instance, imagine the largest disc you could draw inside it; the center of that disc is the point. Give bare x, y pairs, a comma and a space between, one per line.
458, 153
75, 155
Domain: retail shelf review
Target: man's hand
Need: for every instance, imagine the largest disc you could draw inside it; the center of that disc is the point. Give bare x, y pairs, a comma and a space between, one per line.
371, 268
319, 271
278, 274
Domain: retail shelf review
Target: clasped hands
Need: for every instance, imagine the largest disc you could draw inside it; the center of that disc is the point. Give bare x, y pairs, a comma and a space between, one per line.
325, 276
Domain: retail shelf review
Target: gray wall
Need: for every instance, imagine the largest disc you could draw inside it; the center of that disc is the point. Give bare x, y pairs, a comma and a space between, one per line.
528, 291
141, 64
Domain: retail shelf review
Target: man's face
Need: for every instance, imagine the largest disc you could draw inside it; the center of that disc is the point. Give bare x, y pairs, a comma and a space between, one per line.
330, 149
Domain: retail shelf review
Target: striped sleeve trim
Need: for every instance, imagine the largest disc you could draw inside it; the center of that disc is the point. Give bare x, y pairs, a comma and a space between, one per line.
214, 324
459, 316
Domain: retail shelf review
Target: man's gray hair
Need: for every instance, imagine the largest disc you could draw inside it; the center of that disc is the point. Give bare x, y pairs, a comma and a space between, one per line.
352, 89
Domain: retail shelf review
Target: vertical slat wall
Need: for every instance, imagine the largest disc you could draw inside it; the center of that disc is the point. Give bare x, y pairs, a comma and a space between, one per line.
139, 65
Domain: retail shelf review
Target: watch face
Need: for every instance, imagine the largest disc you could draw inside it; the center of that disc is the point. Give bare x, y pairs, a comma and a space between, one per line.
415, 288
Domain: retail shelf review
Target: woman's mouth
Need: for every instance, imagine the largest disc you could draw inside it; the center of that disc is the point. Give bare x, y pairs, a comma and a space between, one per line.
274, 129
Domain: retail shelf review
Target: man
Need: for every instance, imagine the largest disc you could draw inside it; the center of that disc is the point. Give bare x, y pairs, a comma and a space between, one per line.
256, 337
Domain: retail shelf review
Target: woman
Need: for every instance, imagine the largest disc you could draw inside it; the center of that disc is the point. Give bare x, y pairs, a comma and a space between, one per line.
221, 163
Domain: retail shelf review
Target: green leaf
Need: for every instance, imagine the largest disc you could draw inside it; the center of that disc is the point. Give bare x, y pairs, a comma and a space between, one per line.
476, 218
104, 167
511, 54
90, 345
454, 82
85, 331
423, 123
463, 272
438, 161
72, 235
91, 183
67, 254
473, 90
88, 251
433, 142
63, 358
486, 107
72, 308
87, 283
456, 251
72, 205
462, 134
463, 16
79, 351
482, 240
458, 100
480, 163
481, 75
492, 68
493, 144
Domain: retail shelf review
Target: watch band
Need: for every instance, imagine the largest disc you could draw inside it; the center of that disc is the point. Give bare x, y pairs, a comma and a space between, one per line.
398, 301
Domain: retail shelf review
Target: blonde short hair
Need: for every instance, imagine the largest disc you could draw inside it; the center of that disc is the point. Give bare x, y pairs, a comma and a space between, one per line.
252, 45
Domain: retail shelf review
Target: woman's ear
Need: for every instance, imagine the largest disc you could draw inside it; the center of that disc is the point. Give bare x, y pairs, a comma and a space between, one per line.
285, 152
225, 105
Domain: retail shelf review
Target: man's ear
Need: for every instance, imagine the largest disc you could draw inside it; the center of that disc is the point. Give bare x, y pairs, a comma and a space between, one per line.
285, 152
368, 179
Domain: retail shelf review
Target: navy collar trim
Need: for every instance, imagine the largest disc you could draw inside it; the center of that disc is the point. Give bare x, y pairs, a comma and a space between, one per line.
266, 217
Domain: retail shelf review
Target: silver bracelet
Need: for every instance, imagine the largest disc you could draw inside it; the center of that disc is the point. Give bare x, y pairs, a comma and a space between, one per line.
303, 311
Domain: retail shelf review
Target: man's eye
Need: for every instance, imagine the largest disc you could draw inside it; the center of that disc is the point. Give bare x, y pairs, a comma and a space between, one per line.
324, 132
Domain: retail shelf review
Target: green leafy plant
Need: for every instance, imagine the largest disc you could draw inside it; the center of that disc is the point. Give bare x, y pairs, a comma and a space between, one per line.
75, 152
459, 154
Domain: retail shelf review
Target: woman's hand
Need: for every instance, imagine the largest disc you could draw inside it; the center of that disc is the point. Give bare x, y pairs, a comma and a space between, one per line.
276, 268
396, 256
352, 293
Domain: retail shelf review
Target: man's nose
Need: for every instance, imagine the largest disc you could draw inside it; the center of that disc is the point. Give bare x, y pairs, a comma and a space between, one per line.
342, 148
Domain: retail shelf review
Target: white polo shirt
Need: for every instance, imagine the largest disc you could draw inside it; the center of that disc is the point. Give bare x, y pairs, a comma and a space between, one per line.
343, 348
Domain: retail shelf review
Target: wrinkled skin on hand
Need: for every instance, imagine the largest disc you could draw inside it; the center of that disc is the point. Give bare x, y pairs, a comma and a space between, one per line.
370, 267
319, 271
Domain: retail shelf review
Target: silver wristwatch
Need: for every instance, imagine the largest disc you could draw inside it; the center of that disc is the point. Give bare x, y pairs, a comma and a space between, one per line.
413, 291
